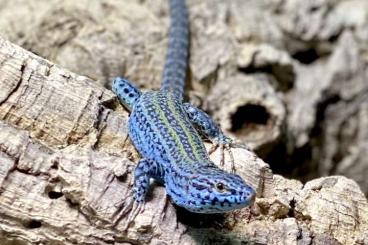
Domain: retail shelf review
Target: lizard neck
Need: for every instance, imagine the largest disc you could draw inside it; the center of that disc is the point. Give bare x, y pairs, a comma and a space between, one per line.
176, 182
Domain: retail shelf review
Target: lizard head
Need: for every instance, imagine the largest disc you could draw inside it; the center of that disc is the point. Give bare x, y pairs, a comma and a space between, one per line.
212, 190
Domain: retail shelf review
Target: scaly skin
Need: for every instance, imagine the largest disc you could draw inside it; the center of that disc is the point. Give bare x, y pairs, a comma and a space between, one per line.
165, 132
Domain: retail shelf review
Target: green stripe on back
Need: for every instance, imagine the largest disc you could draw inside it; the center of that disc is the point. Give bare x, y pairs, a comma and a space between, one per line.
172, 132
182, 124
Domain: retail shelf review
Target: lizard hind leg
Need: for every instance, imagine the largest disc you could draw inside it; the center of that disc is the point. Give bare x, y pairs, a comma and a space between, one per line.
127, 93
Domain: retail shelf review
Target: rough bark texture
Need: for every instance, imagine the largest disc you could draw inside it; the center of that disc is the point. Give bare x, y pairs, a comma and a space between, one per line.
287, 77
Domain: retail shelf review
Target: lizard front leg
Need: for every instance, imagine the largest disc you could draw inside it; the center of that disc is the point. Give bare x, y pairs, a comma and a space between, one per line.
207, 127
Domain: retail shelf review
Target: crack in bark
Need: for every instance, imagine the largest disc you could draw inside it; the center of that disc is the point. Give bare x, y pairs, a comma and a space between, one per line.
17, 85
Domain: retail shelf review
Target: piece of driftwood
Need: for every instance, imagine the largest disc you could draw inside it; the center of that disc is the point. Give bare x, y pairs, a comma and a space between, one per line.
66, 160
66, 173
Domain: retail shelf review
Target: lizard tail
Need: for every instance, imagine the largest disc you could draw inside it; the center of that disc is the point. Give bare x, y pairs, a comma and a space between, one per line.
174, 74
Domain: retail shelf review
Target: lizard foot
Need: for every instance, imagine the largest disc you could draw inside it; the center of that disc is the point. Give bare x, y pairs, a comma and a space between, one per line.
138, 207
227, 144
122, 209
129, 205
223, 147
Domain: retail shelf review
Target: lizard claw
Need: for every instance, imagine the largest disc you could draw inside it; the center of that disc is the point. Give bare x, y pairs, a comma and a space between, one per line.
229, 151
222, 152
122, 209
213, 148
127, 206
136, 208
224, 146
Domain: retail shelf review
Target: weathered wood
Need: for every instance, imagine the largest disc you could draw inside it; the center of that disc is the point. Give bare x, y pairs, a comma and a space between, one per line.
55, 189
65, 157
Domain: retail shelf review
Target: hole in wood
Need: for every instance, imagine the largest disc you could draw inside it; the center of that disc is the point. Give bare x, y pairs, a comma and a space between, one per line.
122, 178
306, 56
249, 117
55, 164
33, 224
55, 194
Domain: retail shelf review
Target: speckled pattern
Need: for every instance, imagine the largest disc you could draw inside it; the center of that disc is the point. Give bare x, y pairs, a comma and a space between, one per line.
166, 133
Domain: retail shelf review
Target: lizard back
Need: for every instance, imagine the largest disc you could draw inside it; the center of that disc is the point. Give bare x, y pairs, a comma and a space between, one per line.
161, 131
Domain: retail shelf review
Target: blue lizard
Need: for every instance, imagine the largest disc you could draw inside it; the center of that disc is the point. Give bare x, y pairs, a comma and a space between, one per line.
165, 131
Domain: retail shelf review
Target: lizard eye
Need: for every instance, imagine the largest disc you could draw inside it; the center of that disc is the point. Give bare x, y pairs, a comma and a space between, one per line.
220, 187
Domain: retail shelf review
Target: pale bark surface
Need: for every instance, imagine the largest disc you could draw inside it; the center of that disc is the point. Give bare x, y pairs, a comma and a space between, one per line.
287, 77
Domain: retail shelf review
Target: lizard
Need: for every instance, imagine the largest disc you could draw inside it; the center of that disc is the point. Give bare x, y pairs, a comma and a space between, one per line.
167, 133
